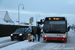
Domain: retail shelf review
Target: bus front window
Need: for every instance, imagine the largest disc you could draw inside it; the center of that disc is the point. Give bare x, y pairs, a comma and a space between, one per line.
55, 26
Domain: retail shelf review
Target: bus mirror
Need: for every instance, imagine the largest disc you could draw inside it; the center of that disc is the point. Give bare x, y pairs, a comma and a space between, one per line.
68, 28
41, 21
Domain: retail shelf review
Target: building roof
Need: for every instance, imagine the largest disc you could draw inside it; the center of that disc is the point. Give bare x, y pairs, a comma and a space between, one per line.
4, 18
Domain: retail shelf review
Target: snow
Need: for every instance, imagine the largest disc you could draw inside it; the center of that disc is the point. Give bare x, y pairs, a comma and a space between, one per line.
70, 45
4, 38
17, 46
2, 14
2, 21
25, 45
5, 16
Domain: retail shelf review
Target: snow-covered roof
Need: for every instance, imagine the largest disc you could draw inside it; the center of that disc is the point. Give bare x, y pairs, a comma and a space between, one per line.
2, 21
4, 18
2, 14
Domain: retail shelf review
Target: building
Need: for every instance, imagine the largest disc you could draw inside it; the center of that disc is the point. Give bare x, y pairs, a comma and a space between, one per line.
7, 26
4, 18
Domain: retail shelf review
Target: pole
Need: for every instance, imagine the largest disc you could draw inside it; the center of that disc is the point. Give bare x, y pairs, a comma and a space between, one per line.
37, 18
19, 14
29, 35
18, 17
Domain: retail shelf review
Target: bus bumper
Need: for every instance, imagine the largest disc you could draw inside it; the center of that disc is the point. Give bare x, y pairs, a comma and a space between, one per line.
55, 38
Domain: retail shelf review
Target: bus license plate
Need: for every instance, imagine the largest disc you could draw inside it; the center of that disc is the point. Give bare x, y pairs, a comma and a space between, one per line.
54, 38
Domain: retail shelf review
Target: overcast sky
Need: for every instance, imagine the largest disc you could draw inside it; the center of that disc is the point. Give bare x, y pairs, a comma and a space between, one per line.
33, 8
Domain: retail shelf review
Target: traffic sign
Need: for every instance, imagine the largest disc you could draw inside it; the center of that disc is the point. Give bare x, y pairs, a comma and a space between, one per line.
28, 30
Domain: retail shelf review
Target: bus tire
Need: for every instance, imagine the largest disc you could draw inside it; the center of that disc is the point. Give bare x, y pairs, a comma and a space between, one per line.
65, 41
12, 39
44, 40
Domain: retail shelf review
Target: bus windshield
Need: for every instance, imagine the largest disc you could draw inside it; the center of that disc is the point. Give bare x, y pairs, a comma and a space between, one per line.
54, 26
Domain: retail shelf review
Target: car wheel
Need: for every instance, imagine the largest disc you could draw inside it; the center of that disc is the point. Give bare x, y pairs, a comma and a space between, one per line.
23, 38
12, 39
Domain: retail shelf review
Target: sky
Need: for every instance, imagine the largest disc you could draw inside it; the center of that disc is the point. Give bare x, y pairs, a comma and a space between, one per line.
39, 9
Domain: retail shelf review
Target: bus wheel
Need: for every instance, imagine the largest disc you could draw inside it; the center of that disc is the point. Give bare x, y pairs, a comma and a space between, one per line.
48, 40
44, 40
65, 41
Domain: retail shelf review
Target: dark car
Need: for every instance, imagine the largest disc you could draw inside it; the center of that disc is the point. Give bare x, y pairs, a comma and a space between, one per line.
20, 34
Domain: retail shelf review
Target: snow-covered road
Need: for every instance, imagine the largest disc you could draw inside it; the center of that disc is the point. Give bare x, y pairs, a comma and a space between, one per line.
25, 45
5, 41
70, 45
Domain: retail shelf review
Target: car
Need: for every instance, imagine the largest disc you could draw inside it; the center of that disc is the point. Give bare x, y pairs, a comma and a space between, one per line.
19, 34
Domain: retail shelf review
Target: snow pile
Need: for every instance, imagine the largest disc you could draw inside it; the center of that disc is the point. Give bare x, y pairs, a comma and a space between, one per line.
4, 38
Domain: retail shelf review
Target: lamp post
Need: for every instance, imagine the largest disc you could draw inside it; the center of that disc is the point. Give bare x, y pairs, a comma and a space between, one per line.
37, 18
19, 14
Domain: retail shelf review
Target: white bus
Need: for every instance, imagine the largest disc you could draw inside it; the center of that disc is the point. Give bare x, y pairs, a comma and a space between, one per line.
55, 28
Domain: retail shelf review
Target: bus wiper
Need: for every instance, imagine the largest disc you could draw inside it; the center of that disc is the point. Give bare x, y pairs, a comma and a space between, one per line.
60, 31
52, 31
56, 31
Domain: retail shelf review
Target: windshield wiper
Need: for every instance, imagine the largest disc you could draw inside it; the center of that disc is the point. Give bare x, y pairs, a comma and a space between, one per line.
60, 31
53, 31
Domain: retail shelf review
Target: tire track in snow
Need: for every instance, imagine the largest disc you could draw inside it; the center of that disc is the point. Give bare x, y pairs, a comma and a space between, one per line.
44, 46
7, 43
56, 46
70, 42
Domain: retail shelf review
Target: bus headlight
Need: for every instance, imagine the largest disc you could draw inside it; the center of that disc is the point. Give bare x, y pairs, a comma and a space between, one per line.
11, 34
20, 34
45, 36
63, 36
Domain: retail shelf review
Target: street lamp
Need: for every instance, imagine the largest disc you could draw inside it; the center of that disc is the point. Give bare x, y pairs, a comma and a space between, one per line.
37, 18
19, 14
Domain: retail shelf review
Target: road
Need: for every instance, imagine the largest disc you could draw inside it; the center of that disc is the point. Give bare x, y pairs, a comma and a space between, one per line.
70, 45
7, 42
25, 45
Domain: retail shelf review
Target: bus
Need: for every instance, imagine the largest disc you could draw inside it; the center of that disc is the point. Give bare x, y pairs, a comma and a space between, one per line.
55, 28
